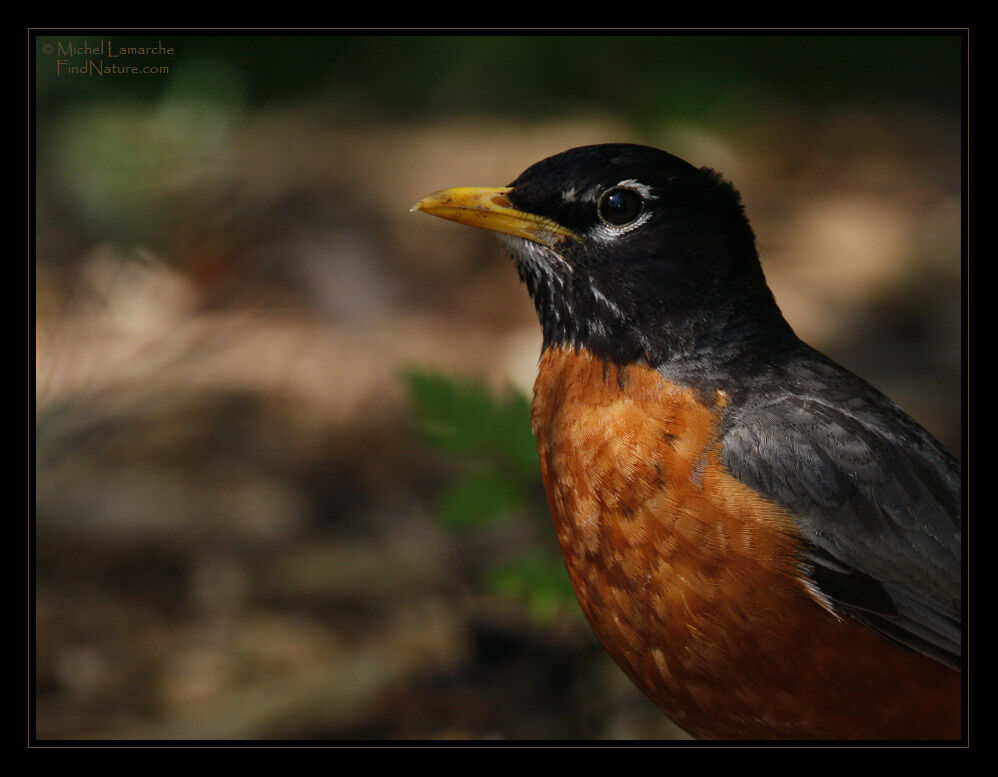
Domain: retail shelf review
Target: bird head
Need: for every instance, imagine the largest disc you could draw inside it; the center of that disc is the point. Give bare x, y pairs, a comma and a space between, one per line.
626, 250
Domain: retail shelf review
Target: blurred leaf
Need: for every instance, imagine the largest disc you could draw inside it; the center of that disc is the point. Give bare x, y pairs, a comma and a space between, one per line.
127, 163
478, 499
539, 581
498, 478
461, 417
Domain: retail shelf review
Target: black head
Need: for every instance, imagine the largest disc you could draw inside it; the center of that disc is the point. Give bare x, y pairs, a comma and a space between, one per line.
631, 252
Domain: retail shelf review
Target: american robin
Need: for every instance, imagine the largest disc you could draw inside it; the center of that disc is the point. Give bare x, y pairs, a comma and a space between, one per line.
767, 545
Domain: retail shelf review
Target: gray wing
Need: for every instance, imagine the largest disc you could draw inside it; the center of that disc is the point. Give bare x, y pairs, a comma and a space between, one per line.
876, 499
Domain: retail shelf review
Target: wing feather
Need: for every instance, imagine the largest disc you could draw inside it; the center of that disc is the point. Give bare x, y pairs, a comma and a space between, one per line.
876, 499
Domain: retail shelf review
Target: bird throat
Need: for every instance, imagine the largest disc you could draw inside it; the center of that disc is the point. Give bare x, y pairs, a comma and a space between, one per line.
572, 310
700, 350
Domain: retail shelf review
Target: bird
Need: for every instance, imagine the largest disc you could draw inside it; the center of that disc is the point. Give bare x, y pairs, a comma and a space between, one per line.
766, 544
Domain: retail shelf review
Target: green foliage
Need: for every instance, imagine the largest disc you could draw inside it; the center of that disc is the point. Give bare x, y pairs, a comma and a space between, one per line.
477, 499
639, 78
496, 480
463, 418
538, 580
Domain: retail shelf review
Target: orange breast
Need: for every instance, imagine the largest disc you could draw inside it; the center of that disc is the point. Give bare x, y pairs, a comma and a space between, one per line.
691, 580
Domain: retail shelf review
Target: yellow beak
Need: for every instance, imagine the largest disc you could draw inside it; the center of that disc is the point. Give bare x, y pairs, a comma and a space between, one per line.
490, 208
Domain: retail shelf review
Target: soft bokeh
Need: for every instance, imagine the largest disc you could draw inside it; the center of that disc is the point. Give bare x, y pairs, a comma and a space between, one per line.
242, 528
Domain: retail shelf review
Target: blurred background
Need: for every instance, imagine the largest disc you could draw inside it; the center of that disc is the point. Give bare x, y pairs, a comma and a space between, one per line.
285, 484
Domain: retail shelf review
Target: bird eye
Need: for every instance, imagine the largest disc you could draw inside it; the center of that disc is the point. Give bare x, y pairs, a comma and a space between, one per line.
620, 206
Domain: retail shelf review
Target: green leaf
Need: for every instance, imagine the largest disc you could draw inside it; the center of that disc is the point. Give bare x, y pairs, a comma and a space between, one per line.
462, 417
497, 475
478, 499
539, 581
